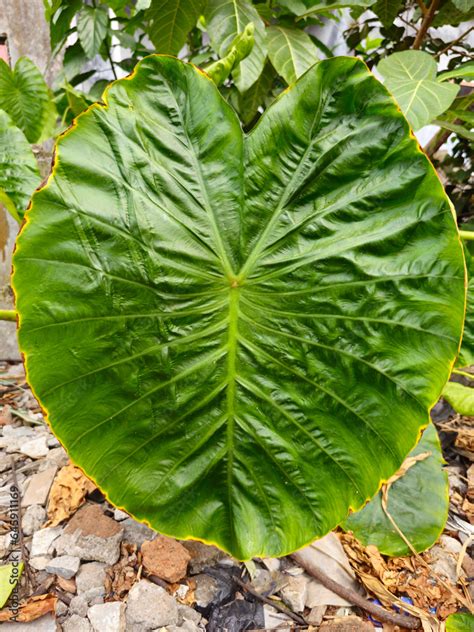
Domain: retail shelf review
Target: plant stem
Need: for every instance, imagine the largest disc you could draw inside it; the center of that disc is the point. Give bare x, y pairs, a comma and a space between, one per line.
404, 621
425, 25
8, 314
454, 42
422, 6
468, 235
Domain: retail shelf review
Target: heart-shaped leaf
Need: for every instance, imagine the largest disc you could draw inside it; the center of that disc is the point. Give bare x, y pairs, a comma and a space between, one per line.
411, 78
170, 22
19, 175
238, 337
92, 26
24, 95
418, 502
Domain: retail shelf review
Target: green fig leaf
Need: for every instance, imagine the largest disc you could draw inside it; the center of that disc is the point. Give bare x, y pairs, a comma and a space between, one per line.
411, 78
25, 96
291, 51
239, 336
19, 174
418, 502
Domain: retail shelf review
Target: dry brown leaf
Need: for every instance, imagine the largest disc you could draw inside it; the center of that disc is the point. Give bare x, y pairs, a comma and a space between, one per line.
6, 417
465, 440
122, 575
405, 466
67, 494
34, 608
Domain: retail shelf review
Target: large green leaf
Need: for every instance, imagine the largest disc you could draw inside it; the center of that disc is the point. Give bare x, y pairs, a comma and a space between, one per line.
239, 336
19, 175
411, 77
92, 27
291, 51
460, 622
460, 397
170, 22
466, 356
418, 502
225, 19
303, 8
24, 95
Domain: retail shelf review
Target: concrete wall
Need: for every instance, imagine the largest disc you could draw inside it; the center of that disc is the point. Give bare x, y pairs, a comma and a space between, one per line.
22, 21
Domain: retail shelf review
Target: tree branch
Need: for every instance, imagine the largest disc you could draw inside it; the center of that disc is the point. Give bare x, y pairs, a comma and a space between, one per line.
425, 25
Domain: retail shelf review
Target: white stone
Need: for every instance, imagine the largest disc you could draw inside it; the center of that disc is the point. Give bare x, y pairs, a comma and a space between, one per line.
33, 518
43, 540
65, 566
120, 515
295, 592
38, 488
77, 624
91, 576
40, 562
108, 617
35, 448
274, 619
78, 606
150, 606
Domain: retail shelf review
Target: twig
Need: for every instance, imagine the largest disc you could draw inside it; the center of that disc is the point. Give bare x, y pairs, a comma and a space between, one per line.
21, 542
404, 621
425, 25
423, 7
270, 602
454, 42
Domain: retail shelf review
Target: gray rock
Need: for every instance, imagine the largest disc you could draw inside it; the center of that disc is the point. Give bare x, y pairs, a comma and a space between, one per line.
275, 619
65, 566
108, 617
40, 562
185, 613
42, 543
295, 592
77, 624
43, 624
91, 578
78, 606
188, 626
53, 442
56, 456
33, 518
207, 590
5, 463
38, 488
202, 556
150, 606
61, 609
136, 532
35, 448
120, 515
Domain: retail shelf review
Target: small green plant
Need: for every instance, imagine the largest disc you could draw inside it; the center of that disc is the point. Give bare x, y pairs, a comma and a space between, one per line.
239, 336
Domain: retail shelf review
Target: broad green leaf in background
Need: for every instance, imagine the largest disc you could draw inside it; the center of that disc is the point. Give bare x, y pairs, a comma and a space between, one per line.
92, 27
225, 19
466, 355
19, 175
238, 338
460, 397
304, 8
291, 51
24, 95
241, 48
411, 78
450, 14
464, 71
418, 502
9, 577
460, 622
249, 102
387, 10
463, 5
170, 22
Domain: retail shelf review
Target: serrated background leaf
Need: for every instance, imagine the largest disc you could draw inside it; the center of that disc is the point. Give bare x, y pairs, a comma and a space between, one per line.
225, 19
387, 10
92, 26
291, 51
19, 175
170, 22
411, 78
238, 338
24, 95
418, 502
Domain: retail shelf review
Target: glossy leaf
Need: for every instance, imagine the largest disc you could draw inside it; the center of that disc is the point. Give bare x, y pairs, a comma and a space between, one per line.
460, 622
291, 51
464, 71
19, 175
411, 78
24, 95
460, 397
239, 338
458, 129
418, 502
170, 22
241, 48
92, 27
225, 20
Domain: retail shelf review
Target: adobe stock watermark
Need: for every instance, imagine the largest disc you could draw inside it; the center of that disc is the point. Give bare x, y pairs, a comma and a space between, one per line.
14, 557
